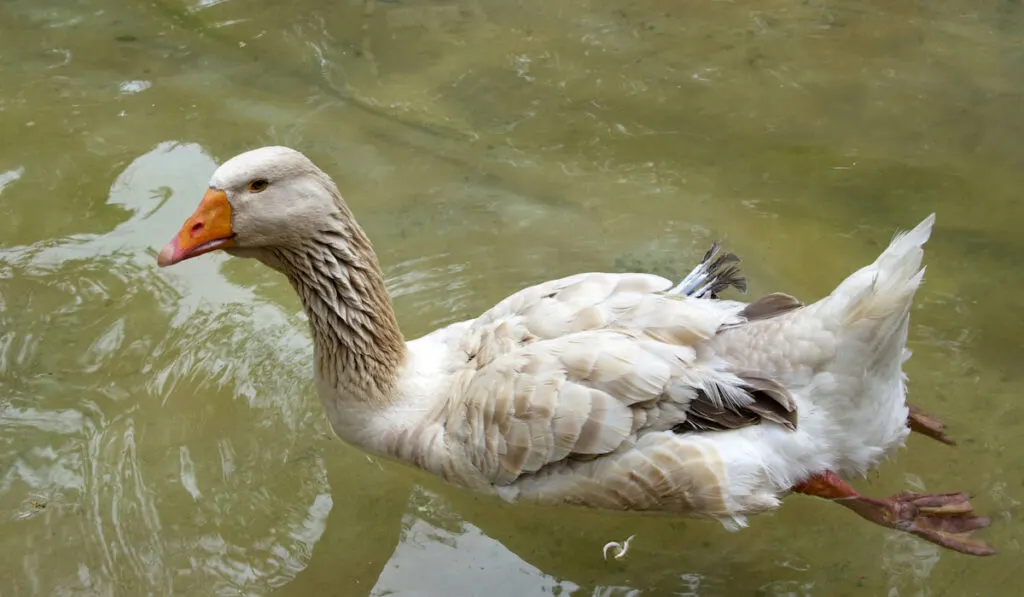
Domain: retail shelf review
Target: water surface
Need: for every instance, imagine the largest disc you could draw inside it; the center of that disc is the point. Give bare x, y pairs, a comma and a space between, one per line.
159, 432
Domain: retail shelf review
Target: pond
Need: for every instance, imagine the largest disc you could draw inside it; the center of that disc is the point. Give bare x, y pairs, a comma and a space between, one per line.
159, 429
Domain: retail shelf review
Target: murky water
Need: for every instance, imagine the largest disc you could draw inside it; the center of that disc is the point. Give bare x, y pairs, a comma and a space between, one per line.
159, 433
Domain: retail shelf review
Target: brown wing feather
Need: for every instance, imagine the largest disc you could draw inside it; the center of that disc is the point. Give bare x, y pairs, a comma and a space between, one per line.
770, 305
770, 402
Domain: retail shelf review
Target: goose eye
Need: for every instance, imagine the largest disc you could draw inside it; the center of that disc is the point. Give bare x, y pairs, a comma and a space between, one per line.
258, 185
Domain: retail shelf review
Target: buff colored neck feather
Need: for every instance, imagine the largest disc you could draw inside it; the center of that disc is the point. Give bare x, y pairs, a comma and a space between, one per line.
359, 347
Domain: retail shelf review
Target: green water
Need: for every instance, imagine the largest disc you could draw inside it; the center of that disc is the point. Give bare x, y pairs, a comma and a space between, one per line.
159, 432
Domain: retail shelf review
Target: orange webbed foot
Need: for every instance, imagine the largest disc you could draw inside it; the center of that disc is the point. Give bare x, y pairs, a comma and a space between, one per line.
945, 519
926, 424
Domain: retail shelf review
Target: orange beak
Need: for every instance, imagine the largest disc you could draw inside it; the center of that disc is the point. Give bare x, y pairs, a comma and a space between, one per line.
207, 230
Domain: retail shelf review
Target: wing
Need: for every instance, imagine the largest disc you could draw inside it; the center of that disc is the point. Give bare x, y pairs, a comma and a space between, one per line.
583, 366
583, 302
589, 302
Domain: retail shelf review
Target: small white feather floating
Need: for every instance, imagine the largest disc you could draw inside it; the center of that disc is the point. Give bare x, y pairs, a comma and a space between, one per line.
620, 548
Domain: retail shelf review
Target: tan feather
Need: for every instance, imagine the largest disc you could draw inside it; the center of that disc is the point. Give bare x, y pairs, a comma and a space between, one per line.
608, 423
589, 318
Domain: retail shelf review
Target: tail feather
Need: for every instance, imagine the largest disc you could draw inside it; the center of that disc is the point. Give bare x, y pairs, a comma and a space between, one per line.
896, 275
885, 288
882, 294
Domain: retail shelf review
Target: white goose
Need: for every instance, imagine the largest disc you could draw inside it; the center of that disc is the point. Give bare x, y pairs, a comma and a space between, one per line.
614, 391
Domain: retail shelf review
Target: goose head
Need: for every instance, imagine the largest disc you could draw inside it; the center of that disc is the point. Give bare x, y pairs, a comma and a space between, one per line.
275, 205
271, 197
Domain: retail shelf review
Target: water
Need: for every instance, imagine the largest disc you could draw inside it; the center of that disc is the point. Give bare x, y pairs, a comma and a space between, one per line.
159, 433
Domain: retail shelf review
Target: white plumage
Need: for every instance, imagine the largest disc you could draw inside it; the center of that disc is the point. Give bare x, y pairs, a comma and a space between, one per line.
606, 365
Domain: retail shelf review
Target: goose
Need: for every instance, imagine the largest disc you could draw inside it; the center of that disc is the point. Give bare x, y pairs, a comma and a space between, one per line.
619, 391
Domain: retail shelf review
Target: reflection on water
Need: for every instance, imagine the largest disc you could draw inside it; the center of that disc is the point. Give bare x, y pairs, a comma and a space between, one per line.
104, 415
158, 429
457, 558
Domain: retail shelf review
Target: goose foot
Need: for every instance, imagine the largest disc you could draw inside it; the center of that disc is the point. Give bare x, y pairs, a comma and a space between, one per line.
926, 424
944, 519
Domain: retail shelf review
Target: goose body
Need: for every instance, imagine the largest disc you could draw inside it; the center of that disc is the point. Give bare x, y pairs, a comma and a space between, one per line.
617, 391
605, 390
